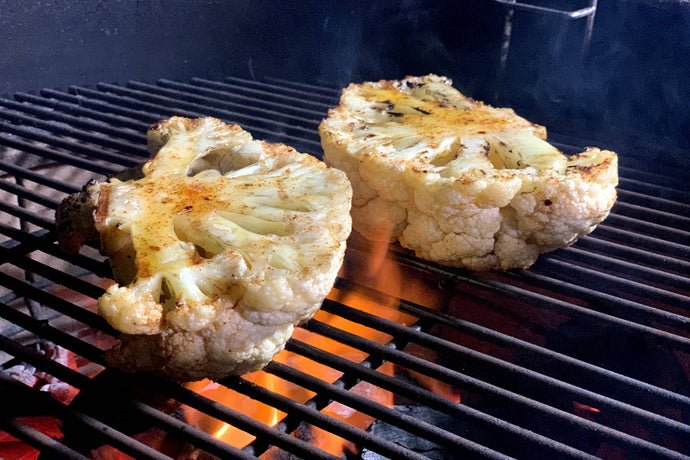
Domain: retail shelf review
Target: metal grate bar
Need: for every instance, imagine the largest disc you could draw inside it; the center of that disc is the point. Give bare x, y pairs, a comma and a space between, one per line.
183, 431
664, 243
325, 90
426, 397
169, 388
676, 208
663, 191
552, 365
111, 103
278, 437
644, 214
224, 99
69, 145
545, 301
44, 108
163, 94
673, 236
276, 91
119, 439
37, 439
528, 379
555, 415
27, 215
25, 289
124, 442
614, 305
23, 192
195, 110
676, 182
317, 418
52, 274
42, 241
69, 104
601, 246
55, 335
624, 324
46, 331
61, 128
616, 282
127, 443
365, 405
37, 178
551, 360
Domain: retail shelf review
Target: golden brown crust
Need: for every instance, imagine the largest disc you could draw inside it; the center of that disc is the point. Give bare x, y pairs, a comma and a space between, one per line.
219, 247
459, 181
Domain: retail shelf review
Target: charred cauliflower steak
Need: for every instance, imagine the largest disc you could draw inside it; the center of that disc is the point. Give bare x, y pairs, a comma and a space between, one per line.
459, 182
219, 248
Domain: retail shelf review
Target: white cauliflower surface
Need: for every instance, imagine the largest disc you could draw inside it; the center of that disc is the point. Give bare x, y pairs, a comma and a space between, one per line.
219, 250
459, 182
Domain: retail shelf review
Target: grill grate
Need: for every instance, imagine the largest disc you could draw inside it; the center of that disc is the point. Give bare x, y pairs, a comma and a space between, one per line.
585, 354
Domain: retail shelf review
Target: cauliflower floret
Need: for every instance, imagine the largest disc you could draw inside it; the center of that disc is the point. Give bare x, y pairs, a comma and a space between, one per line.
219, 248
460, 182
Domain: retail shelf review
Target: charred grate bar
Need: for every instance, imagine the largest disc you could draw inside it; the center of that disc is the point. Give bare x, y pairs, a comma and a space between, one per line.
587, 354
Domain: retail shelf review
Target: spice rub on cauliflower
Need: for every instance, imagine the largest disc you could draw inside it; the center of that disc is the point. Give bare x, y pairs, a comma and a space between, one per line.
219, 248
459, 182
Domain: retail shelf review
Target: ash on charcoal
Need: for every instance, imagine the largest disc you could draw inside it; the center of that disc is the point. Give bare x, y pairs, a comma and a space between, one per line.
410, 440
34, 378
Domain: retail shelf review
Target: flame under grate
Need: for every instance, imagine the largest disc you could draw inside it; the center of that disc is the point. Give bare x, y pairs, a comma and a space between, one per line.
585, 354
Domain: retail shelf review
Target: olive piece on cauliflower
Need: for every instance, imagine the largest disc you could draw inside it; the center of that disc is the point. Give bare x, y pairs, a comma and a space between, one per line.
220, 247
459, 182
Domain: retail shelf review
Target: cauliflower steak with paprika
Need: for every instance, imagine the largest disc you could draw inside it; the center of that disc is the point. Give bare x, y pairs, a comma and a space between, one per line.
219, 248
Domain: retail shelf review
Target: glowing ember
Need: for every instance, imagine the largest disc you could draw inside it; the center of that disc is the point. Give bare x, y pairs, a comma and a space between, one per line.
12, 448
436, 386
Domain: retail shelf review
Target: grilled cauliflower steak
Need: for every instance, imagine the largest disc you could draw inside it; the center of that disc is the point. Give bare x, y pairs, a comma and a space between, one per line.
219, 250
459, 182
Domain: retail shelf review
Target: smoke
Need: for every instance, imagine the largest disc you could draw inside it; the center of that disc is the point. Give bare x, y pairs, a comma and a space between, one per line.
628, 83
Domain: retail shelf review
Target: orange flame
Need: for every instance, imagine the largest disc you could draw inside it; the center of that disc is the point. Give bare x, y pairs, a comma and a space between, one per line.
381, 274
239, 402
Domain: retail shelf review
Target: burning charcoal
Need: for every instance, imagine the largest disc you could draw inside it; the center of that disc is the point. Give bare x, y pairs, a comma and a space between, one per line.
60, 391
24, 373
410, 440
34, 378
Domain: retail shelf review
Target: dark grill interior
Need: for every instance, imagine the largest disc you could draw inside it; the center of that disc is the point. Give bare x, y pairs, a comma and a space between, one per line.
585, 354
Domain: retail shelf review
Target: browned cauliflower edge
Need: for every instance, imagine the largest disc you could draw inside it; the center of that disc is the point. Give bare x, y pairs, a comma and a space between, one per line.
218, 248
459, 182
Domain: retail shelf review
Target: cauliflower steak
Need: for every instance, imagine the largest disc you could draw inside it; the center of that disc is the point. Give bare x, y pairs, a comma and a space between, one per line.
219, 248
459, 182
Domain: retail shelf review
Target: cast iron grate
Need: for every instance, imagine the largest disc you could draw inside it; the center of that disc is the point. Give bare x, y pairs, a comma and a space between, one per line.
585, 354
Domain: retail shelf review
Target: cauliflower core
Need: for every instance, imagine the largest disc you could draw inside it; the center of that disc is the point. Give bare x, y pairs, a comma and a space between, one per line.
219, 250
459, 182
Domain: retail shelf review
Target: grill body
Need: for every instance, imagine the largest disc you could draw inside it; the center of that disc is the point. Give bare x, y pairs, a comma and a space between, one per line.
586, 354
